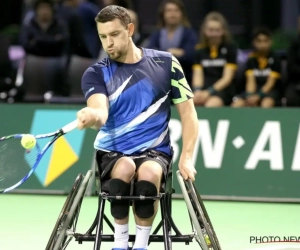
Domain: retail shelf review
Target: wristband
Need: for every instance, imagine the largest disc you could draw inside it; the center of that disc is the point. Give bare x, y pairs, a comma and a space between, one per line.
197, 88
261, 94
211, 90
249, 94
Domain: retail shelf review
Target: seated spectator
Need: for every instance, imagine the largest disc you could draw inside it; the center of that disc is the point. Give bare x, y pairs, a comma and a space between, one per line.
44, 35
215, 63
123, 3
138, 38
88, 11
262, 74
175, 35
292, 91
68, 12
7, 70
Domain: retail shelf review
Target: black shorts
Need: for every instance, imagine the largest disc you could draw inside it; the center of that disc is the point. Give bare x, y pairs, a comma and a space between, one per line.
225, 95
107, 160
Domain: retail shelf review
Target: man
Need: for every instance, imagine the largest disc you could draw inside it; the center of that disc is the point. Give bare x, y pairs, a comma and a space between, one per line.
139, 38
128, 100
44, 35
262, 74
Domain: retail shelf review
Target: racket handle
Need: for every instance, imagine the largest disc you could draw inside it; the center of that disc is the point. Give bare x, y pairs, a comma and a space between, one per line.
69, 127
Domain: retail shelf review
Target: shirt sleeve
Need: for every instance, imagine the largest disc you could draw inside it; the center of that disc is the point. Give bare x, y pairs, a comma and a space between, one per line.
180, 89
275, 68
231, 57
92, 83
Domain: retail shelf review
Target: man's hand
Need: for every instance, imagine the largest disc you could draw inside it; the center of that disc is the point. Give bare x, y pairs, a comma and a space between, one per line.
253, 100
87, 117
187, 169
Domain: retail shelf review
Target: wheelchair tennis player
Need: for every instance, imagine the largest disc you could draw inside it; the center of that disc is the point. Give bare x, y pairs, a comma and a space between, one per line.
129, 96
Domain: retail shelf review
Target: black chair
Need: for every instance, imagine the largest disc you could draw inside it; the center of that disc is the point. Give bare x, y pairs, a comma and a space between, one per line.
202, 229
77, 66
41, 75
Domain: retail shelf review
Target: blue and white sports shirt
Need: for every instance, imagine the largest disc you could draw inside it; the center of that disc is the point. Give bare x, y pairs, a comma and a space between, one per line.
140, 97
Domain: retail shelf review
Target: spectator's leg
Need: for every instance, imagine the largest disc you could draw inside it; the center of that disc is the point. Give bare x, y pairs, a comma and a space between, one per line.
240, 102
267, 102
214, 102
292, 96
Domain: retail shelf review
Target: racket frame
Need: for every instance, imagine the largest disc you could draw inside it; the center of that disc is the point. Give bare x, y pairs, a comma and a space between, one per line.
57, 134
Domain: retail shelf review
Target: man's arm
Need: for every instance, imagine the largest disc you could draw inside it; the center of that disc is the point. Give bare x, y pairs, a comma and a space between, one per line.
182, 97
251, 87
273, 77
190, 127
226, 79
95, 114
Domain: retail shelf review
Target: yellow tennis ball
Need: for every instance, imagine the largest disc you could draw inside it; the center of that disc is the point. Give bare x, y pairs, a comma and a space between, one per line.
28, 141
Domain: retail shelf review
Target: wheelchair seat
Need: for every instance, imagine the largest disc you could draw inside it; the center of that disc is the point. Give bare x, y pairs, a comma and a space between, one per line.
103, 187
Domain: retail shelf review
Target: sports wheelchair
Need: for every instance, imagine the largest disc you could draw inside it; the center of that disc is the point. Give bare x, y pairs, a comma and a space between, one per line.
65, 228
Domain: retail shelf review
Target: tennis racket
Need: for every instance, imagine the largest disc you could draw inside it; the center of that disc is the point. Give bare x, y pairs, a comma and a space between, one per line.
17, 163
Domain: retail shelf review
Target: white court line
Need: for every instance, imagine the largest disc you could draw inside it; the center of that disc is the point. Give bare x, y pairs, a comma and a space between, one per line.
286, 247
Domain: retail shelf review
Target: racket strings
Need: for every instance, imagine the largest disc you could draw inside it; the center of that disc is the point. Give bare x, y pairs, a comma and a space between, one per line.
15, 161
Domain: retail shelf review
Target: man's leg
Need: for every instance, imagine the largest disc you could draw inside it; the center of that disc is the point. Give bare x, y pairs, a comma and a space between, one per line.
148, 183
119, 184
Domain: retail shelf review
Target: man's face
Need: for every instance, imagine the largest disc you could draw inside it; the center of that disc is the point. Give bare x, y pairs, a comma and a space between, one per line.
44, 12
262, 43
115, 38
172, 14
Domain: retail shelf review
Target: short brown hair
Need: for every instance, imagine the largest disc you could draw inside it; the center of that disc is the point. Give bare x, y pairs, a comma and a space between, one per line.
180, 5
113, 12
218, 17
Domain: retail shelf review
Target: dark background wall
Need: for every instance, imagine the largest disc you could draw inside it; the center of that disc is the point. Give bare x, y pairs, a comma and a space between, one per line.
242, 15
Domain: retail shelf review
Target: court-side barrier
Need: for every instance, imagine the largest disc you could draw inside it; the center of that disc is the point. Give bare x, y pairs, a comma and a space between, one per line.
241, 154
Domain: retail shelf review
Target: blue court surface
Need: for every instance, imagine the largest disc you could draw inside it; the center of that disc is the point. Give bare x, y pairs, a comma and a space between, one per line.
26, 222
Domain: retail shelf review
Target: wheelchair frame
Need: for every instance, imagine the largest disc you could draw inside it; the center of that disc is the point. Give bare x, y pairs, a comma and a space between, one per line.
198, 217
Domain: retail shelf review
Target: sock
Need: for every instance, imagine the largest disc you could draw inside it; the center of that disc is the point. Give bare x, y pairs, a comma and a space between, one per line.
121, 236
142, 237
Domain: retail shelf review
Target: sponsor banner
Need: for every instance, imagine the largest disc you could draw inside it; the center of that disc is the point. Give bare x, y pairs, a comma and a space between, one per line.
65, 159
245, 153
240, 153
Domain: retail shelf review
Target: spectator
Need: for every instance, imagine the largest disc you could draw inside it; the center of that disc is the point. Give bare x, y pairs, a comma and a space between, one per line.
262, 74
44, 35
292, 92
88, 11
215, 63
7, 70
138, 38
175, 35
123, 3
68, 12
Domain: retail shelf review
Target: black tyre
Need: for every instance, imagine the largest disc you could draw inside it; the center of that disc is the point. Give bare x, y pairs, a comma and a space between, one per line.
65, 226
199, 215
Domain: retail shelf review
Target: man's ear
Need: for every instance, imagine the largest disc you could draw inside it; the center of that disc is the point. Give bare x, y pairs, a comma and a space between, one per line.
130, 29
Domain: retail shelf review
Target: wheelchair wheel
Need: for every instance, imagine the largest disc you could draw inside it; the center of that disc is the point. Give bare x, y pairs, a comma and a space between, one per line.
199, 215
65, 226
